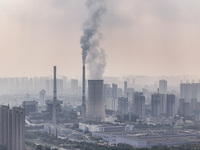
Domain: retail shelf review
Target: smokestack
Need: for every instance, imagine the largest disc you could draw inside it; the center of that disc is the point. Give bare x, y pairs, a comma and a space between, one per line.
54, 117
83, 111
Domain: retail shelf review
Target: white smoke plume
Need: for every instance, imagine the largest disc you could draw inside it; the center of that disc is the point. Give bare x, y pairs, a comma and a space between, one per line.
92, 53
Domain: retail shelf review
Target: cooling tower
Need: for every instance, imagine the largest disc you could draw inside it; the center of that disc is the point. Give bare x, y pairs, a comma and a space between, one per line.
95, 105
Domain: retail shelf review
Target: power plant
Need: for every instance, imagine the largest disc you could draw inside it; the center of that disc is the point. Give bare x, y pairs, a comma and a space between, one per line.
95, 105
54, 117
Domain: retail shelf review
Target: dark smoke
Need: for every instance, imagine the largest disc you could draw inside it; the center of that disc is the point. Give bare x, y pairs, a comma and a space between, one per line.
90, 41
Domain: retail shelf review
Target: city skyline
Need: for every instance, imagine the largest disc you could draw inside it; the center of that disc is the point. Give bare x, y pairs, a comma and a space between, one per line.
153, 38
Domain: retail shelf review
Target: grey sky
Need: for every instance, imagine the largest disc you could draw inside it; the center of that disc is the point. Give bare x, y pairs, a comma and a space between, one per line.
150, 37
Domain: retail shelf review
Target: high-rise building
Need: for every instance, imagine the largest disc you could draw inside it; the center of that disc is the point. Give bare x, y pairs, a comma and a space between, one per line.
60, 85
119, 92
114, 91
95, 110
107, 91
163, 86
186, 109
170, 105
125, 88
129, 93
180, 107
12, 128
190, 91
138, 104
193, 105
163, 104
123, 105
114, 96
74, 86
155, 104
197, 111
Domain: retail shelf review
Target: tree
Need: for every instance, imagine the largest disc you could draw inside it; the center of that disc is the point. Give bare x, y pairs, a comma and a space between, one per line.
39, 147
47, 148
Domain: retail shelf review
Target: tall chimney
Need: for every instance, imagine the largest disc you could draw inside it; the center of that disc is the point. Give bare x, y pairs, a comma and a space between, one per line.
83, 109
54, 117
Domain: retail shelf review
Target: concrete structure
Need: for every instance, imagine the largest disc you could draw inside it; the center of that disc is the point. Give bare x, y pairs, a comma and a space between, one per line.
193, 105
125, 88
74, 86
57, 130
190, 91
180, 107
186, 109
83, 106
114, 91
95, 106
54, 116
163, 104
148, 139
163, 86
48, 113
155, 104
138, 104
30, 107
197, 111
119, 92
158, 104
12, 128
43, 96
105, 127
170, 105
122, 105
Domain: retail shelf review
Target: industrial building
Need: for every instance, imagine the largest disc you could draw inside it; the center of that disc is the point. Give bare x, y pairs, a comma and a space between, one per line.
105, 127
57, 130
12, 128
95, 105
147, 139
30, 107
53, 106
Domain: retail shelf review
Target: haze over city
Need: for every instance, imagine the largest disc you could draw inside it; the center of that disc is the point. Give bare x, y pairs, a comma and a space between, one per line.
99, 74
139, 37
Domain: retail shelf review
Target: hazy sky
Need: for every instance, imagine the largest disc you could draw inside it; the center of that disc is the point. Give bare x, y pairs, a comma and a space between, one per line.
149, 37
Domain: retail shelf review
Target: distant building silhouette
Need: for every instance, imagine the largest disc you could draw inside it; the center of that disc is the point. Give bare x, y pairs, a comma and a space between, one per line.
156, 104
74, 86
138, 104
125, 88
123, 105
163, 86
190, 91
12, 128
170, 105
